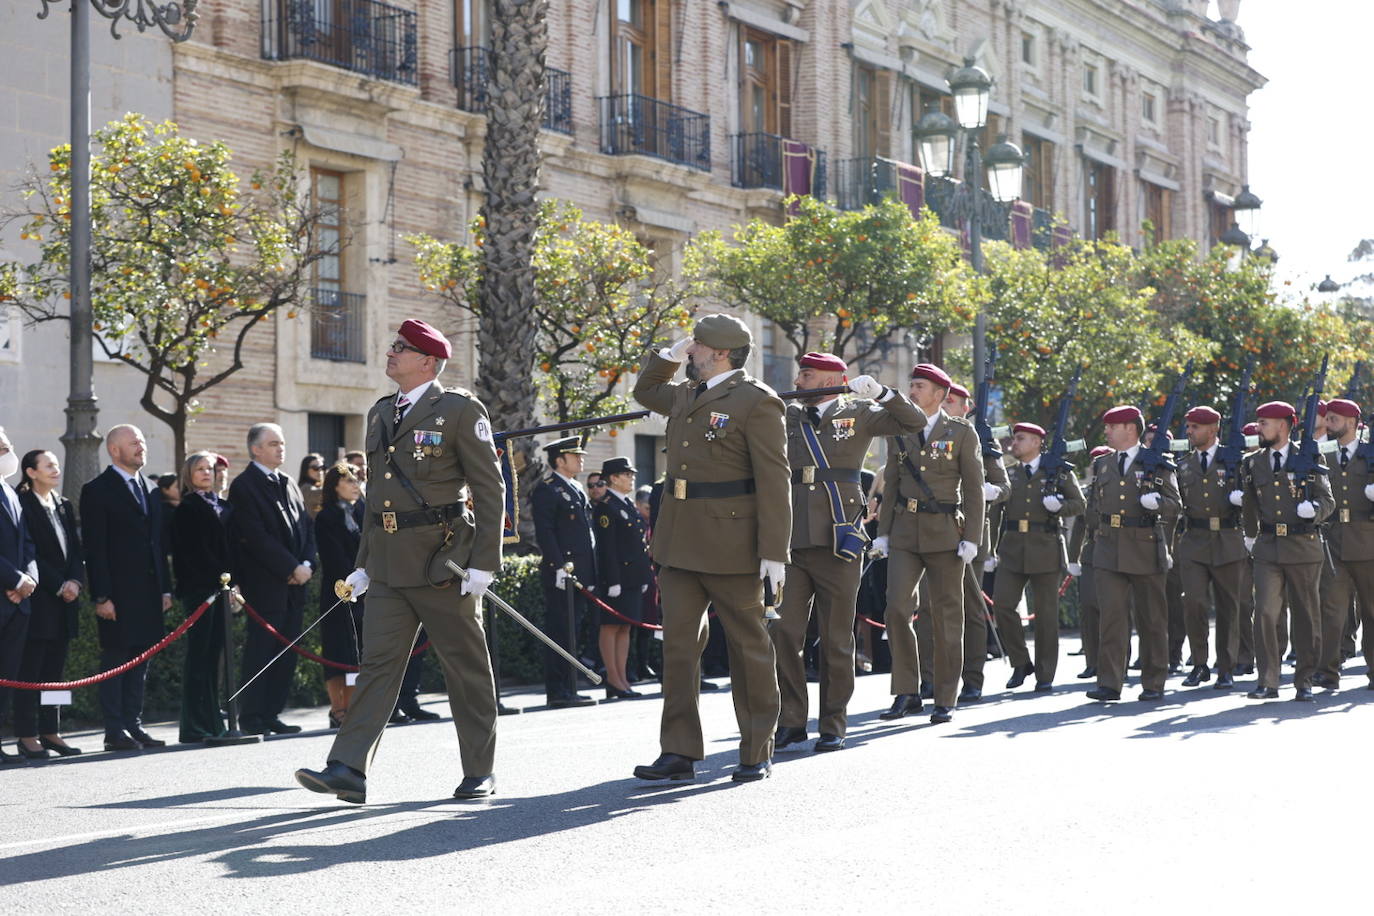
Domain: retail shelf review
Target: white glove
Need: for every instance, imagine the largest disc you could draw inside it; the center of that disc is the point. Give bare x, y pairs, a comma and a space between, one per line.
990, 564
643, 589
1369, 492
879, 546
1052, 503
678, 351
866, 386
774, 572
560, 578
968, 551
1150, 501
657, 418
476, 583
1250, 545
358, 581
990, 492
1075, 569
1307, 509
613, 591
1237, 498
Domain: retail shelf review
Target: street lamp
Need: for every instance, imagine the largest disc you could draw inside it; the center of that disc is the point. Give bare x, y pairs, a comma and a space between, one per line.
1328, 285
971, 87
1247, 206
1005, 164
936, 134
176, 19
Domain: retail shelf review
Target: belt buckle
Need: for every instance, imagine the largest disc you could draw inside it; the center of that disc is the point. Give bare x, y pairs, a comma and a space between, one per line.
389, 522
1023, 525
1345, 515
808, 473
679, 488
913, 505
1116, 521
1281, 530
1213, 524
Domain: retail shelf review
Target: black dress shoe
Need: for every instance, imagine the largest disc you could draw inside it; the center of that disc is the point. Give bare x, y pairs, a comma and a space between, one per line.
1019, 675
1263, 693
1198, 675
62, 750
476, 787
40, 754
1105, 694
970, 695
1325, 681
828, 743
253, 727
570, 700
118, 741
707, 685
1224, 681
1044, 688
1304, 695
1135, 665
1175, 667
928, 690
419, 714
788, 735
1150, 696
344, 783
668, 766
1086, 673
752, 772
144, 739
903, 704
398, 717
278, 727
940, 715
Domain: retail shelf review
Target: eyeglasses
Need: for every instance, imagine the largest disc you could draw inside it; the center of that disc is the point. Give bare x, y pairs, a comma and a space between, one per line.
317, 467
401, 346
597, 484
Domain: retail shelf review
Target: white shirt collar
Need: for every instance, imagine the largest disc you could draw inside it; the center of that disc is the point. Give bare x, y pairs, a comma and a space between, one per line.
628, 498
47, 502
1130, 453
126, 475
414, 394
1211, 453
1033, 464
573, 482
265, 469
932, 420
715, 380
1281, 452
832, 402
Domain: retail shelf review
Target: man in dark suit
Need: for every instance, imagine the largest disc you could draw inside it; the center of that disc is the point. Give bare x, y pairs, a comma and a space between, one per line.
273, 541
563, 529
18, 576
121, 527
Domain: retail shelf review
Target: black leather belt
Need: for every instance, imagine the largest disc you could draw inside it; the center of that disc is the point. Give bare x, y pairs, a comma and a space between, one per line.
812, 474
921, 505
678, 488
1284, 531
392, 522
1024, 525
1211, 524
1127, 521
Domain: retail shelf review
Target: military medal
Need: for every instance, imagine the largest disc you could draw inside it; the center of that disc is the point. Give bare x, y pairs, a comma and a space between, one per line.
716, 424
438, 421
843, 427
425, 441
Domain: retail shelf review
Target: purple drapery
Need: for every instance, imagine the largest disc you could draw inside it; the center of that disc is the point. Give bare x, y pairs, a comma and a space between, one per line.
1060, 237
798, 170
911, 187
1021, 213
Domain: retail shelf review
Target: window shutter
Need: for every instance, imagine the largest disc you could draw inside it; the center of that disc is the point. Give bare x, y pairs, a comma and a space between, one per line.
663, 49
882, 112
784, 84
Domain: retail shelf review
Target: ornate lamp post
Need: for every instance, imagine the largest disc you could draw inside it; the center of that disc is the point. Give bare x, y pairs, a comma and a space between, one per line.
176, 20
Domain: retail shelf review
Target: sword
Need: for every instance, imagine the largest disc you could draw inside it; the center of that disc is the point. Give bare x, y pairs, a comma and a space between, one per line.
534, 630
345, 593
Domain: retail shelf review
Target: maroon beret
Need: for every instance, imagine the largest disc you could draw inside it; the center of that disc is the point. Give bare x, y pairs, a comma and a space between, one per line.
1124, 414
426, 338
1202, 414
1321, 408
1251, 429
827, 362
957, 389
1277, 410
220, 461
932, 373
1100, 451
1029, 428
1343, 407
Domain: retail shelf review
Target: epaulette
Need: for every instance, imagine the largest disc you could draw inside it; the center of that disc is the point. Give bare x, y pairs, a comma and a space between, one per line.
760, 385
460, 391
961, 421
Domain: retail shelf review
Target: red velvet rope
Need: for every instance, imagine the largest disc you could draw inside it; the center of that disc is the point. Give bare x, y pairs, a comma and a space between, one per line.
304, 653
115, 672
612, 611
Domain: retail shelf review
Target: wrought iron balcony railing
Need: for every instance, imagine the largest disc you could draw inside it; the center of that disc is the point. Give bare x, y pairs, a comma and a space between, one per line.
471, 69
760, 160
362, 36
638, 124
337, 322
558, 114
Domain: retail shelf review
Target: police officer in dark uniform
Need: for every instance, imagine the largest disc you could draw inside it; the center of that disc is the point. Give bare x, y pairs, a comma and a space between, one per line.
562, 515
622, 558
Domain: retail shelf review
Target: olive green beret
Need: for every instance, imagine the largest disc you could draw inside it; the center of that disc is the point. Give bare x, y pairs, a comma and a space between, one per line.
722, 332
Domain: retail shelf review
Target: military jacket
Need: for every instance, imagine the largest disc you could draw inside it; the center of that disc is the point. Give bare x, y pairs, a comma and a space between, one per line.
1033, 537
622, 551
562, 516
1128, 538
733, 431
846, 431
995, 474
444, 445
1206, 509
951, 463
1272, 500
1351, 524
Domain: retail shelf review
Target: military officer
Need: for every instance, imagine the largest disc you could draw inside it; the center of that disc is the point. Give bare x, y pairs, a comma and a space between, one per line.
622, 559
1351, 533
1130, 557
1080, 566
562, 514
1031, 552
827, 439
1210, 555
721, 538
931, 523
429, 449
1282, 521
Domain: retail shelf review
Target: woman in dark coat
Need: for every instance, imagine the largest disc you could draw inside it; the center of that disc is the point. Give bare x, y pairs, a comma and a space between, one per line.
200, 553
53, 619
338, 532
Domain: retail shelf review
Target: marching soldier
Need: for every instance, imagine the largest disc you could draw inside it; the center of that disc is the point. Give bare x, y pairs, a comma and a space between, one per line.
622, 554
427, 449
1283, 523
1080, 566
1351, 533
1130, 558
1211, 554
1031, 552
562, 514
827, 439
931, 523
721, 538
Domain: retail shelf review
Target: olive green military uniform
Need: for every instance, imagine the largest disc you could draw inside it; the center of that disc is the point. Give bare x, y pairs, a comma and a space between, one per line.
1080, 551
816, 574
923, 537
1288, 554
726, 506
1350, 530
1130, 563
444, 446
1210, 557
1031, 552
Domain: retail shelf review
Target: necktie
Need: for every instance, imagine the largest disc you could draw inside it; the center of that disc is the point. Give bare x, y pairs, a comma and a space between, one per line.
402, 402
1121, 464
1278, 463
697, 391
1202, 458
1345, 457
139, 496
813, 416
1027, 469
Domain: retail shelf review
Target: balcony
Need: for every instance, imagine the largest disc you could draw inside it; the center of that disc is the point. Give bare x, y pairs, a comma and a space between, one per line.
336, 326
860, 182
361, 36
471, 69
760, 160
636, 124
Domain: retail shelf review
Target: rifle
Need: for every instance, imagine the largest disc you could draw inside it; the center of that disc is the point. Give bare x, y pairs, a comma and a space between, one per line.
1230, 453
1352, 390
1155, 457
1304, 462
980, 408
1053, 462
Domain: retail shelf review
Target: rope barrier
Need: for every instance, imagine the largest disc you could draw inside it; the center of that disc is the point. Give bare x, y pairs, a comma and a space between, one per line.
306, 653
612, 611
115, 672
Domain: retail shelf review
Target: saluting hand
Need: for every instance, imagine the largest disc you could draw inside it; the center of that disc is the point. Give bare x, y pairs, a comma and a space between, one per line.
866, 386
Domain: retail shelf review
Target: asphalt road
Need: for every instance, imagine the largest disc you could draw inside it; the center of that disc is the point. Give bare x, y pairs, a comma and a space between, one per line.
1028, 804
